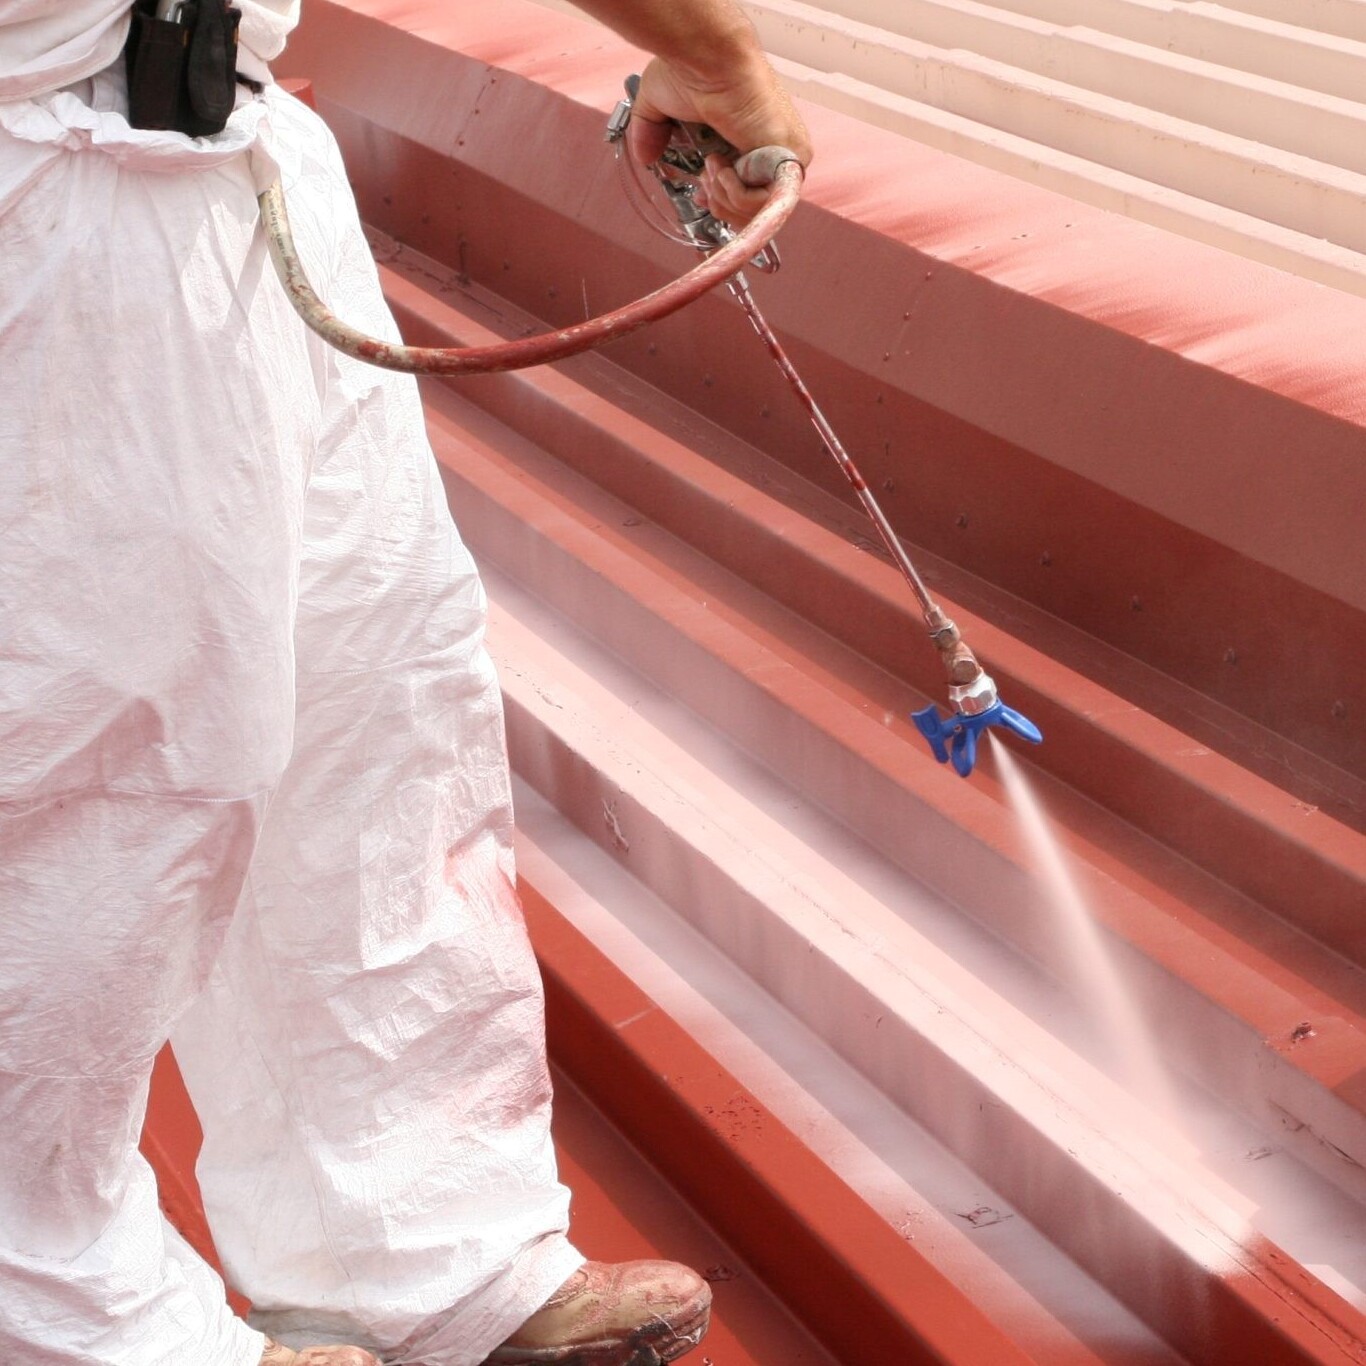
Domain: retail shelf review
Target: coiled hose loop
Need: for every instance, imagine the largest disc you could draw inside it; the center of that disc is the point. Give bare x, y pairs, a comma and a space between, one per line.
774, 166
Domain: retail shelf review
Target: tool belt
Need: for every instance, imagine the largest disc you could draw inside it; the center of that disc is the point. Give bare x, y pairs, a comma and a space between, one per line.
182, 69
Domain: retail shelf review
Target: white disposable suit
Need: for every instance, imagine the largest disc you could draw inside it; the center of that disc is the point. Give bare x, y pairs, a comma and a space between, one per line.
253, 790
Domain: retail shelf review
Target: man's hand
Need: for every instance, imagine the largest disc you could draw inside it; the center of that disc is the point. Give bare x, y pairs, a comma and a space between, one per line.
748, 108
709, 69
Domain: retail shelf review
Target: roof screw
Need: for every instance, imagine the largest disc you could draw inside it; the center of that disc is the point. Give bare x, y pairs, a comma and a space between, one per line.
886, 355
1230, 655
1339, 710
553, 292
962, 520
1046, 559
652, 350
1135, 603
765, 411
708, 381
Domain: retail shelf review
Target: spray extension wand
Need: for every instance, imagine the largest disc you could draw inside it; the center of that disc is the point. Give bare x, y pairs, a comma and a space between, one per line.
972, 692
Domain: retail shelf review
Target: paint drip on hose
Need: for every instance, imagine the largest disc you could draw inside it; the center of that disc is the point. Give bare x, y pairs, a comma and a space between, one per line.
972, 693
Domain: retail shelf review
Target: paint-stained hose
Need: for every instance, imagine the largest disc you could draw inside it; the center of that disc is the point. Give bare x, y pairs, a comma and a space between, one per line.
775, 166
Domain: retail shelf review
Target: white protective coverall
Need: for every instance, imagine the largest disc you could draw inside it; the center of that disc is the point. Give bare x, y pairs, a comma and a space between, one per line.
253, 787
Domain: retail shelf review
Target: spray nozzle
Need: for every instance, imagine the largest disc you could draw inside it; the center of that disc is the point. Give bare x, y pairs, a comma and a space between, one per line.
975, 702
954, 738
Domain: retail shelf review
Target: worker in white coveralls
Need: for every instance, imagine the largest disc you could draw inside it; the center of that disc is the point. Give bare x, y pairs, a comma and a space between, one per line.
253, 786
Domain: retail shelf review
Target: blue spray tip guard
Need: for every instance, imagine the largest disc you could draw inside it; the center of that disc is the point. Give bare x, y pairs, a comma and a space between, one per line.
955, 736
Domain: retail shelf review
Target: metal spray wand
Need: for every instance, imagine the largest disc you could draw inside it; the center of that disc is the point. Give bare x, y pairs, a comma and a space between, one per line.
972, 692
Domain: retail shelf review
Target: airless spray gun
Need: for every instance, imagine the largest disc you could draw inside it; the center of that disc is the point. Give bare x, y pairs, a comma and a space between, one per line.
971, 690
724, 253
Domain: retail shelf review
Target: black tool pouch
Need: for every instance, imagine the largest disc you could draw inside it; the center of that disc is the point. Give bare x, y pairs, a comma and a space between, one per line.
182, 72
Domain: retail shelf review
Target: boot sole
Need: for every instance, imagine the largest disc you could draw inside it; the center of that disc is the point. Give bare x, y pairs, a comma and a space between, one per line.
654, 1344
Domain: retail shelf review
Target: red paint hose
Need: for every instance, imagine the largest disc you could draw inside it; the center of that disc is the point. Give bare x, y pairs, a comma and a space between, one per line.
774, 166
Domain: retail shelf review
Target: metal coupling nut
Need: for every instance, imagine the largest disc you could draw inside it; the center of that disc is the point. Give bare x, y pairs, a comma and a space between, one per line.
971, 699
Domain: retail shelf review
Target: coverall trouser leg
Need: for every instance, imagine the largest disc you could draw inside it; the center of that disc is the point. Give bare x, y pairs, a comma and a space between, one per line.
252, 771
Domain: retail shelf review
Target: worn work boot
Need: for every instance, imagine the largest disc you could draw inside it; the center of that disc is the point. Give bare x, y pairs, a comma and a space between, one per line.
275, 1355
628, 1314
